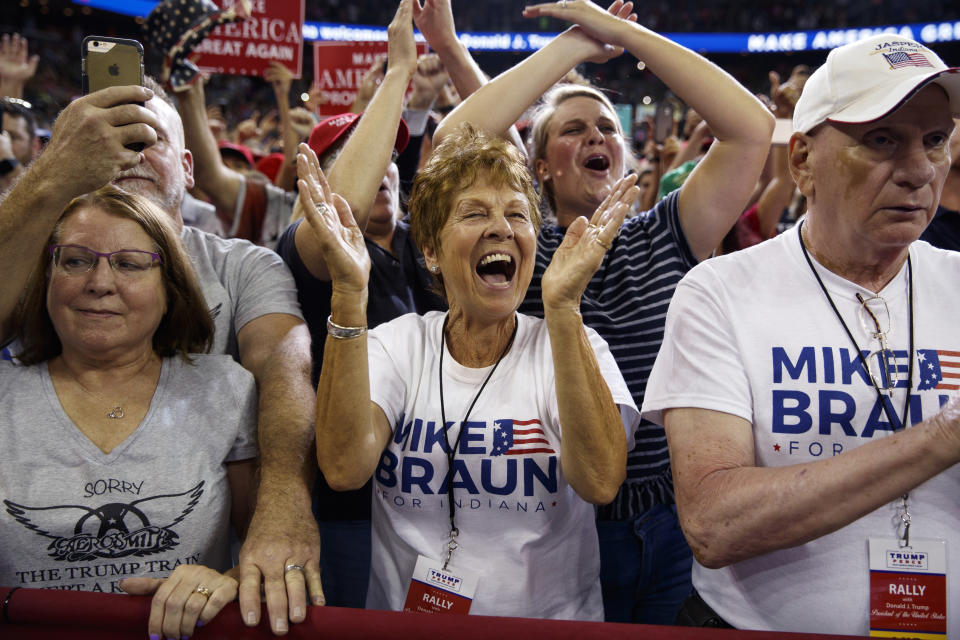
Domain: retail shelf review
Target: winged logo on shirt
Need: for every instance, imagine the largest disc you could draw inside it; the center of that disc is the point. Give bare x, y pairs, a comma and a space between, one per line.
113, 530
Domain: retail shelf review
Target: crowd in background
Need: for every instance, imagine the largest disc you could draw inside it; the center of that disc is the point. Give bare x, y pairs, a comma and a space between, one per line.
56, 37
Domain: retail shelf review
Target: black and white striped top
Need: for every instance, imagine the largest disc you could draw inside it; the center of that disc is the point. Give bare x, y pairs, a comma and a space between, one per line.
626, 303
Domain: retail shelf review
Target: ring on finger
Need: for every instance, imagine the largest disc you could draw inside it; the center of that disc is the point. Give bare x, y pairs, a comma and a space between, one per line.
322, 208
292, 567
606, 245
204, 591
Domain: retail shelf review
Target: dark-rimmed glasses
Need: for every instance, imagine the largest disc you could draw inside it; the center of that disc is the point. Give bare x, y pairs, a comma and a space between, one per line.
73, 260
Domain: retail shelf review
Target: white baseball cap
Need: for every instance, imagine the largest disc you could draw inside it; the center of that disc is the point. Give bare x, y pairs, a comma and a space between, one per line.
865, 80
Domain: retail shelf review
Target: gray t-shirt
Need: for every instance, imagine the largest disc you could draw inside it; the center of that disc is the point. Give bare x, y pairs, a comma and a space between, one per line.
73, 517
200, 215
240, 282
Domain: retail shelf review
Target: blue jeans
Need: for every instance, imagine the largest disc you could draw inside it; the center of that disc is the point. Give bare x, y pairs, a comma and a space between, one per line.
644, 567
345, 562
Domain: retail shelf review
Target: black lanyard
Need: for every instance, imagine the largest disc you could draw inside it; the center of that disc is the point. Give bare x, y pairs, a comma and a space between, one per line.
452, 451
863, 359
904, 513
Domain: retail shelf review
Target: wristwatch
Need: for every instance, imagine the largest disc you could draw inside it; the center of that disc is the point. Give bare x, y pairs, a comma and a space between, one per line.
7, 165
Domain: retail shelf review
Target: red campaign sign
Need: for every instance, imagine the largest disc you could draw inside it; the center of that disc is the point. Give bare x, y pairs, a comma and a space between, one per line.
272, 32
339, 67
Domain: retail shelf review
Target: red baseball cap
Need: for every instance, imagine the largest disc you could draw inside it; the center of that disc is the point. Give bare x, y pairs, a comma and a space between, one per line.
329, 131
241, 149
269, 165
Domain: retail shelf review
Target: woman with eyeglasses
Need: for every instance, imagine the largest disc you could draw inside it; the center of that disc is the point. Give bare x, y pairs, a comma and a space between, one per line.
128, 455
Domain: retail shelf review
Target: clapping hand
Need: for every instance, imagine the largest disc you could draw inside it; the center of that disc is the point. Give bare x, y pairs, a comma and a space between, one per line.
584, 246
590, 21
401, 46
329, 216
434, 18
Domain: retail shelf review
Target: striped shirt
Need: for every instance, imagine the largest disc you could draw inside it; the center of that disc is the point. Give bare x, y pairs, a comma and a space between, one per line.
626, 303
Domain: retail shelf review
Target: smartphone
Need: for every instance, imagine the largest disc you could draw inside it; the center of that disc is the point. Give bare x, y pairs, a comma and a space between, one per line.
110, 62
662, 121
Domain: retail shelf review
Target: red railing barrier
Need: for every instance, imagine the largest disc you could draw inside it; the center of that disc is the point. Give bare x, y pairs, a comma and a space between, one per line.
40, 614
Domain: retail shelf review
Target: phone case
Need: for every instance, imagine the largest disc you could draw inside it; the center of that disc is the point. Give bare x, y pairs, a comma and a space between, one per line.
110, 62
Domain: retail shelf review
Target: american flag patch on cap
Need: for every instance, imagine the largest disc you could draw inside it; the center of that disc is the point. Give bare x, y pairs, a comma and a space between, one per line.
900, 59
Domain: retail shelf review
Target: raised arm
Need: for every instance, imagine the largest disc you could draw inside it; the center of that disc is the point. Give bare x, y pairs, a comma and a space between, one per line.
426, 86
497, 105
351, 431
222, 184
715, 193
17, 67
593, 448
281, 79
86, 151
434, 18
358, 171
779, 191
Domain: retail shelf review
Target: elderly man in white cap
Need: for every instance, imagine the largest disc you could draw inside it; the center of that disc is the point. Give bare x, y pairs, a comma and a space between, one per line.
805, 384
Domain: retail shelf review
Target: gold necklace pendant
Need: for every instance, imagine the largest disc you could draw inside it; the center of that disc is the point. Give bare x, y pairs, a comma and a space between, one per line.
116, 414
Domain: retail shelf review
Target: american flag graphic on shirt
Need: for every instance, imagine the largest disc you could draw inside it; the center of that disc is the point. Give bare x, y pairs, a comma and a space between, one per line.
519, 437
939, 369
899, 59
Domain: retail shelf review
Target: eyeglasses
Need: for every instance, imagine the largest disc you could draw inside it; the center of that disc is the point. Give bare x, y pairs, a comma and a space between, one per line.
75, 260
881, 364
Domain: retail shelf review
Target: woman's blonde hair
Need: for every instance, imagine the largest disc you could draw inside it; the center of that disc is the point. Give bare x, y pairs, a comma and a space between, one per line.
542, 117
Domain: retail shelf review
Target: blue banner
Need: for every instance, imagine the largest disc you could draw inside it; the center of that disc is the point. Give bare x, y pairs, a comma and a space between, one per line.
772, 42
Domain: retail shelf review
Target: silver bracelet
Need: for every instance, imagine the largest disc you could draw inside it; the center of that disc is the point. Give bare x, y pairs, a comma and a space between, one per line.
334, 330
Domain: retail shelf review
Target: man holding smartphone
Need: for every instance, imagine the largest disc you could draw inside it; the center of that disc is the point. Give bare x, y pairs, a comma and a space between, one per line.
248, 289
